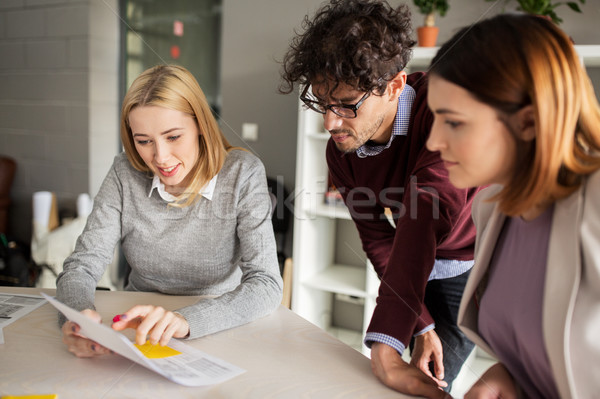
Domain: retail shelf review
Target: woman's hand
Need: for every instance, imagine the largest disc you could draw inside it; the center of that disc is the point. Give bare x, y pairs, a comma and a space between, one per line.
152, 323
495, 383
77, 343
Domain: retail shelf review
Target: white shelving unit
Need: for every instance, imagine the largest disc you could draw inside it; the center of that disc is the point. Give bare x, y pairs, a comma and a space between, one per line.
319, 276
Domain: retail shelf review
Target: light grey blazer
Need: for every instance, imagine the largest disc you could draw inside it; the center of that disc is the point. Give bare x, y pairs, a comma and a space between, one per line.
571, 307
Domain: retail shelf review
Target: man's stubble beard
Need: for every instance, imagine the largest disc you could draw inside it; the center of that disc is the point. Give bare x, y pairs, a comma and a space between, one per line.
361, 138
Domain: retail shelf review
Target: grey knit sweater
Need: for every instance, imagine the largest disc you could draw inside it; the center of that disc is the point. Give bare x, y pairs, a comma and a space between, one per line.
222, 247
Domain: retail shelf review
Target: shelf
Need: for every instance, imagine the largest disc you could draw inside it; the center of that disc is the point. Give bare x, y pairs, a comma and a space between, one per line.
589, 53
332, 211
342, 212
318, 136
340, 279
423, 55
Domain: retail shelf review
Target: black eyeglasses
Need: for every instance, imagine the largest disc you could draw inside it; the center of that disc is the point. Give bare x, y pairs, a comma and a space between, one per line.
343, 110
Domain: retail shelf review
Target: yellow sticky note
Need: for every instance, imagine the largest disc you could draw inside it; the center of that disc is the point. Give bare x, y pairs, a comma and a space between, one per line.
156, 351
49, 396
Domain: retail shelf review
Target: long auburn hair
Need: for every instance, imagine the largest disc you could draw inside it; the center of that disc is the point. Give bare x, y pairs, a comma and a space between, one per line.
513, 60
174, 87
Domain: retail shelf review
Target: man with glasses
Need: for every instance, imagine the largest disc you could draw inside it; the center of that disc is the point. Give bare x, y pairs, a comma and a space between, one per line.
349, 64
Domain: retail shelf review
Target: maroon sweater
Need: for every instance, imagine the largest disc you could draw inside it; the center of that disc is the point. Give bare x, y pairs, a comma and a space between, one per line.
433, 218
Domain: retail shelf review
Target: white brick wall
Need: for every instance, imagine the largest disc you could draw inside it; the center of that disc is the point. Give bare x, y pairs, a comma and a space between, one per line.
13, 56
25, 23
46, 54
58, 98
103, 55
68, 20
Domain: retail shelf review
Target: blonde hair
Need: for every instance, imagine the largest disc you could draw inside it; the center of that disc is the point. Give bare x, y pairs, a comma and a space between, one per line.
174, 87
514, 60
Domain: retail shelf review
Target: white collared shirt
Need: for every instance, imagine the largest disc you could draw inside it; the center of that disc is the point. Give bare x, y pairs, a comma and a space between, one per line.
207, 191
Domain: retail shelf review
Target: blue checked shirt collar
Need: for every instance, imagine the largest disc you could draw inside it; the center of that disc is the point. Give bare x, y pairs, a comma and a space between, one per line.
400, 127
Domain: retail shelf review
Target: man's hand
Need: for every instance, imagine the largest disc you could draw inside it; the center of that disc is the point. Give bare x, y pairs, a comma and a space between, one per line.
495, 383
427, 349
389, 367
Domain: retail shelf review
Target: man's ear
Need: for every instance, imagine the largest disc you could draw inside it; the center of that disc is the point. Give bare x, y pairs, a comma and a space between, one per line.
525, 123
396, 85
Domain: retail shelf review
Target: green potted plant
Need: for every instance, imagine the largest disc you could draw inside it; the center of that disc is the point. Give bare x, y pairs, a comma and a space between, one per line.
545, 7
427, 34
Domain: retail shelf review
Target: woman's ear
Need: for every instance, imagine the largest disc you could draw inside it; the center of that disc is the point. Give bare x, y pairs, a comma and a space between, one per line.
525, 123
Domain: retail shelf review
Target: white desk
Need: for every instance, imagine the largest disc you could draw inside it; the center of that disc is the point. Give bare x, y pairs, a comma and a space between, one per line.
284, 355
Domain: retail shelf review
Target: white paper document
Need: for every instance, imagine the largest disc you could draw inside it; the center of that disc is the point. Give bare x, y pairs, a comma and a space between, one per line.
15, 306
191, 367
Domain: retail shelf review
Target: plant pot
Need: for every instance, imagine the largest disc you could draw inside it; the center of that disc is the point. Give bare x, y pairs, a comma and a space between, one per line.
427, 35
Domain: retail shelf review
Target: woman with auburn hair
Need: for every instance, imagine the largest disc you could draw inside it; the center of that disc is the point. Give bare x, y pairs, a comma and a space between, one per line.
192, 215
515, 109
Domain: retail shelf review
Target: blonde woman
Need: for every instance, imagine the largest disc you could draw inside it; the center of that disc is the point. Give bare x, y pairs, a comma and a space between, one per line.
192, 215
514, 108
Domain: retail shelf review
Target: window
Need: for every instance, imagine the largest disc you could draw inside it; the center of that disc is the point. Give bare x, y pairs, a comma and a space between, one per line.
182, 32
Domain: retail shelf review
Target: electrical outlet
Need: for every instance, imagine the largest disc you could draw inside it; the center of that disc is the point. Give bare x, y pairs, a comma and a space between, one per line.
250, 131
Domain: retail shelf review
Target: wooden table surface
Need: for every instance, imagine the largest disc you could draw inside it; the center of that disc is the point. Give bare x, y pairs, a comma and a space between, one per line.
285, 357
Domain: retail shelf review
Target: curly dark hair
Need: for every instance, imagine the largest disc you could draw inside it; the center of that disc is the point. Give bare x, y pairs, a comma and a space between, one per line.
363, 43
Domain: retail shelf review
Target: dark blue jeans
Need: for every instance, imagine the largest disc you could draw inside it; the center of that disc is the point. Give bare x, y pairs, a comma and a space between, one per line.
442, 298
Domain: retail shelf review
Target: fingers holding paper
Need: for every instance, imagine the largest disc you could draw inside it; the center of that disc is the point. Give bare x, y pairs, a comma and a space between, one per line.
152, 323
78, 344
